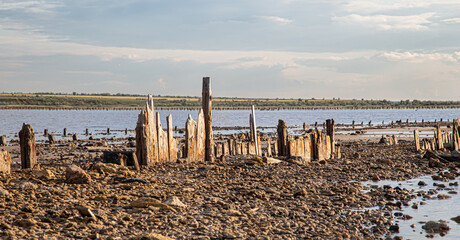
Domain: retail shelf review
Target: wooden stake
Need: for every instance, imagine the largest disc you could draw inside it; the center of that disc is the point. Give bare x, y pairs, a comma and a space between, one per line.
416, 140
207, 110
27, 143
254, 130
282, 138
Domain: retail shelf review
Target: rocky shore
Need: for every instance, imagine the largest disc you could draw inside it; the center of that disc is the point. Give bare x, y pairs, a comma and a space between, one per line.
73, 195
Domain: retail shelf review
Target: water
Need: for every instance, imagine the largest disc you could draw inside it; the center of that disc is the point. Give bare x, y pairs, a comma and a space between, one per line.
434, 210
76, 121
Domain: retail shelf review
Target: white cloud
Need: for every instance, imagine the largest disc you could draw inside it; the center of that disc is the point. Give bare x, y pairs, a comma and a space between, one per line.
421, 57
372, 6
29, 6
452, 20
275, 19
387, 22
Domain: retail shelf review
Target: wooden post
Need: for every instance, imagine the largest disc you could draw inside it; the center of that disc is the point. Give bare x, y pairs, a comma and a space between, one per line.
439, 142
3, 140
330, 131
254, 130
126, 131
75, 137
172, 144
190, 139
251, 128
416, 140
455, 135
162, 141
146, 135
5, 162
282, 138
269, 147
87, 132
108, 131
207, 110
353, 124
200, 136
51, 139
27, 143
45, 133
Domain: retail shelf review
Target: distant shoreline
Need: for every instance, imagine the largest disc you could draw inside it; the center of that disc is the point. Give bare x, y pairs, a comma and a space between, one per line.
221, 108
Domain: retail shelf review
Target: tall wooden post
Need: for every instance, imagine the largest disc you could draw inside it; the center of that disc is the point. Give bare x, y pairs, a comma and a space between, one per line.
254, 129
330, 131
172, 145
455, 135
416, 140
251, 128
282, 138
207, 110
27, 143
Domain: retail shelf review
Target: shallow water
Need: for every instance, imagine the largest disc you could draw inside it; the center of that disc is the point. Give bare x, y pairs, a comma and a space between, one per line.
97, 121
433, 210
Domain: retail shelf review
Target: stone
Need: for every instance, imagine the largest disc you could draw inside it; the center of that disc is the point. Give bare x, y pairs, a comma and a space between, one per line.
86, 212
28, 186
44, 174
27, 222
436, 227
151, 236
421, 183
175, 202
271, 160
146, 202
76, 175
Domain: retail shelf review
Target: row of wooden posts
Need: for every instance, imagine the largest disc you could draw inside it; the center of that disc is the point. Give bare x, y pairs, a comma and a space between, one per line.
440, 140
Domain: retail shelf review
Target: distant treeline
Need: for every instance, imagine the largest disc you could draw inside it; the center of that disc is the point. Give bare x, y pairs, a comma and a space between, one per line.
107, 100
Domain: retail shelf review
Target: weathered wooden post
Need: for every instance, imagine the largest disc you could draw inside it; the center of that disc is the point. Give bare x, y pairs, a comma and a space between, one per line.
126, 131
27, 143
269, 147
172, 145
455, 135
64, 132
75, 137
51, 139
254, 130
200, 137
87, 132
207, 110
416, 140
108, 131
146, 137
439, 142
5, 162
251, 128
330, 131
3, 140
190, 139
282, 138
353, 124
45, 133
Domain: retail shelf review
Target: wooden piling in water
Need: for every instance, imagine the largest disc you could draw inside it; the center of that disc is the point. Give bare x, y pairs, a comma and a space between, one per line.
64, 132
282, 138
27, 145
3, 140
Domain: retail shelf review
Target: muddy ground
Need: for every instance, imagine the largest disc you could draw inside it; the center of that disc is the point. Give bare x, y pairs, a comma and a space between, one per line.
239, 198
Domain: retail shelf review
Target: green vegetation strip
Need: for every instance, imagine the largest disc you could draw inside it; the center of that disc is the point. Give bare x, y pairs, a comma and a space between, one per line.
103, 101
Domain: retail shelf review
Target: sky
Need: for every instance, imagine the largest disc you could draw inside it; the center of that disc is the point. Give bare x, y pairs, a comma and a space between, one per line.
348, 49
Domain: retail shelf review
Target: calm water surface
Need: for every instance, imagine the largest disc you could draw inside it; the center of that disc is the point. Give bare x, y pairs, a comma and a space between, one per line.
76, 121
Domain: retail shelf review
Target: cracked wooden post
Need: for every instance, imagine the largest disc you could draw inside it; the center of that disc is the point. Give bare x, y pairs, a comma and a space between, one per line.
27, 144
439, 142
108, 131
200, 136
330, 131
87, 132
172, 143
75, 137
146, 137
207, 110
282, 138
254, 130
416, 140
51, 139
163, 154
251, 128
64, 132
190, 139
45, 133
455, 135
5, 162
269, 147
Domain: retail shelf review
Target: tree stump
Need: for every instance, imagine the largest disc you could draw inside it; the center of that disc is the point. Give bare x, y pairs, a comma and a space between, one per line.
27, 145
